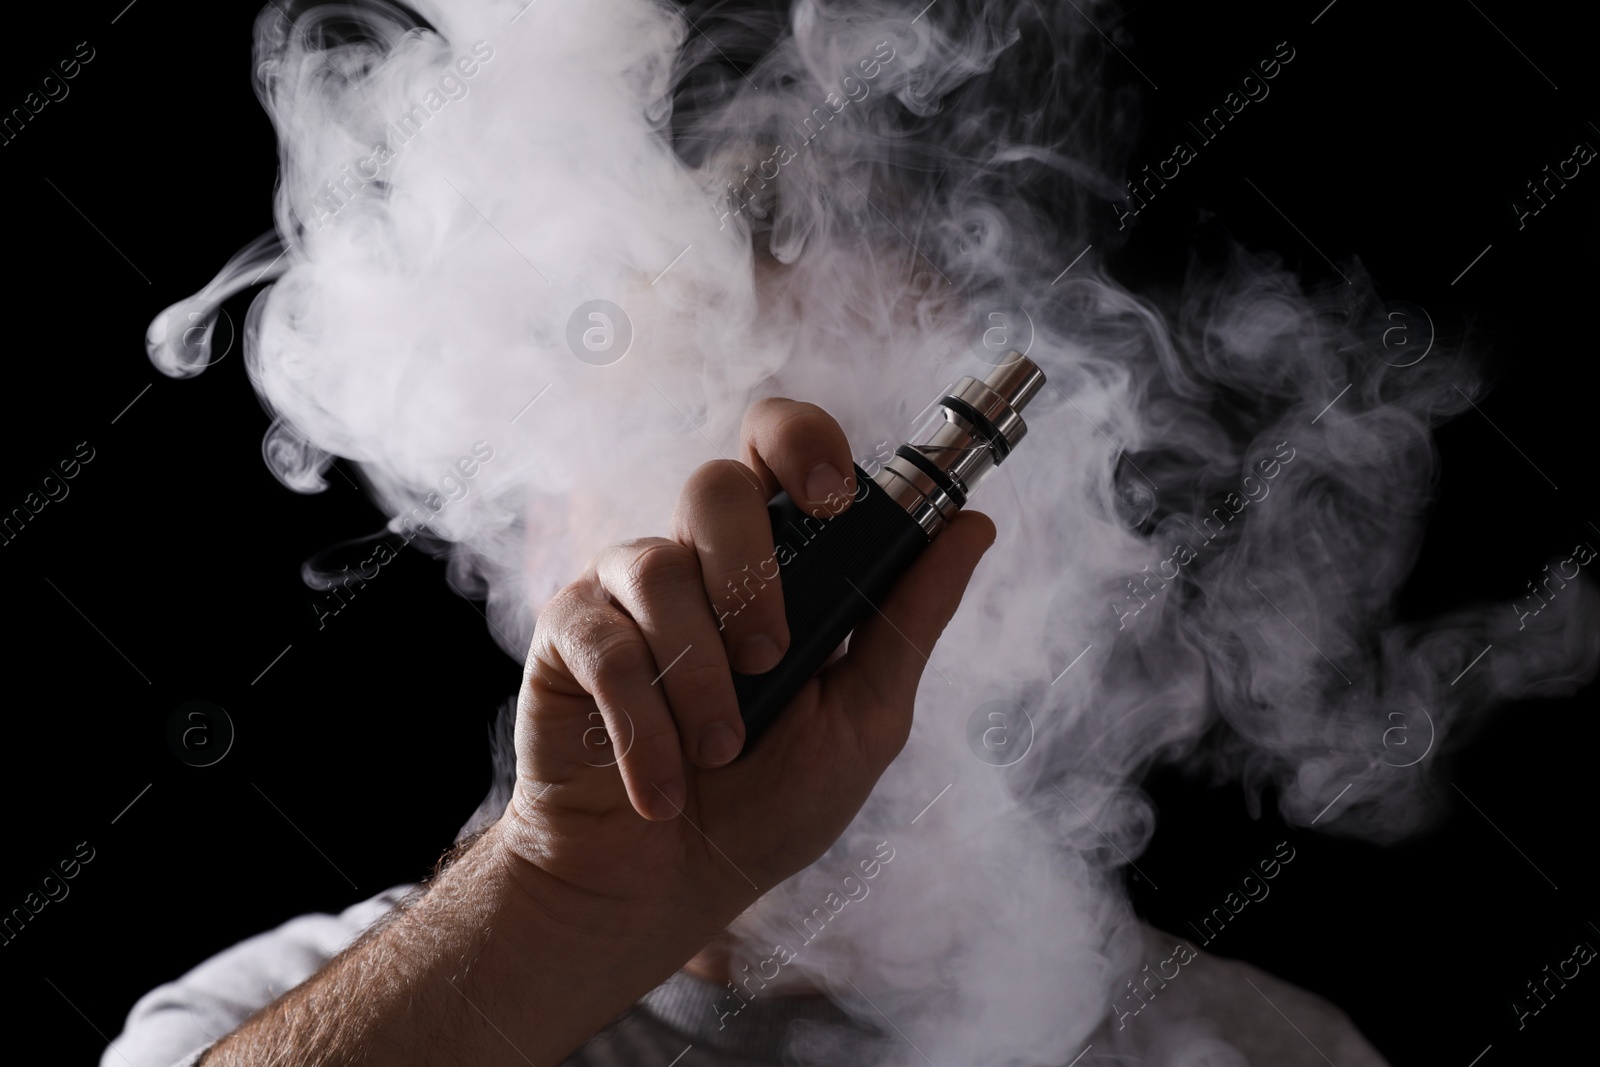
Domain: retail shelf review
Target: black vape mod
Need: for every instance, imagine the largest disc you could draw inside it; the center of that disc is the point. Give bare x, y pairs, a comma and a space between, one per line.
834, 570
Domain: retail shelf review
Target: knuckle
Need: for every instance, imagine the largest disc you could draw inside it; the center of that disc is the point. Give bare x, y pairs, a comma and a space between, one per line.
566, 604
655, 746
722, 484
700, 677
616, 648
800, 415
764, 408
606, 642
803, 422
552, 633
773, 411
657, 567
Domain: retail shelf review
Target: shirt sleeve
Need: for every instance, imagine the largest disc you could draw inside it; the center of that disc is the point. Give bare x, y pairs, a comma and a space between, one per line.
175, 1024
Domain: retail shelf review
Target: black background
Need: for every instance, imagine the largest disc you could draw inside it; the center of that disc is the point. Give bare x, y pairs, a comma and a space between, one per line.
171, 572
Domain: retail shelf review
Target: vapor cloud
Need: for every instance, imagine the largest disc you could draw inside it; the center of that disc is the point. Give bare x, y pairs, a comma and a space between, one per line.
596, 151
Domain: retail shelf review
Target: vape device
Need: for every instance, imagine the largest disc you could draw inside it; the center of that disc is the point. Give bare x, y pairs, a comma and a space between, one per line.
836, 569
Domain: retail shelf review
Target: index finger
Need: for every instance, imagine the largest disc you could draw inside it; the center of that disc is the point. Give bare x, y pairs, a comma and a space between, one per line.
801, 449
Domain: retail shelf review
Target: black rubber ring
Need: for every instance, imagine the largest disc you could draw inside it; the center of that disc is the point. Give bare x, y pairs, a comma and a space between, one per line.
928, 467
995, 439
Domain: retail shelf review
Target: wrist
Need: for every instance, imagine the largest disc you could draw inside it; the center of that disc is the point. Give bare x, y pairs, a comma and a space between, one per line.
497, 963
533, 962
648, 935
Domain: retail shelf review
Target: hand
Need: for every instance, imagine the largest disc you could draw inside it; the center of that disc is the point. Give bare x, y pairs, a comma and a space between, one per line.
603, 877
677, 832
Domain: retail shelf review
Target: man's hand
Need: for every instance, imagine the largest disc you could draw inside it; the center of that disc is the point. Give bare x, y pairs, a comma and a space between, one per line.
678, 830
603, 877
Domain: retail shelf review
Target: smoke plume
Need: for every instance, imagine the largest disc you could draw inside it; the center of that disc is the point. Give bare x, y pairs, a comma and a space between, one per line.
1199, 557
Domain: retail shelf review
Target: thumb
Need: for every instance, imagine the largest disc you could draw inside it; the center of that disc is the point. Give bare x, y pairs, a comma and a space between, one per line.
890, 648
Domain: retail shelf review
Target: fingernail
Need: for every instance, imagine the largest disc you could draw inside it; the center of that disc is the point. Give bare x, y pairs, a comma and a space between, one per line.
756, 655
667, 801
825, 484
718, 744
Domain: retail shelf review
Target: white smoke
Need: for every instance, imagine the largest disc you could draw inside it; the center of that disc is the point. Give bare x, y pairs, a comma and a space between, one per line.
452, 194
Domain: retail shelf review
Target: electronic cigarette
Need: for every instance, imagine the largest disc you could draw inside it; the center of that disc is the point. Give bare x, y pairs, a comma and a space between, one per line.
836, 569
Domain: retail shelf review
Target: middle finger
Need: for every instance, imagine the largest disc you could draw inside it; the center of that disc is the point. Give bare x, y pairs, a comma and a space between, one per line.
658, 583
722, 515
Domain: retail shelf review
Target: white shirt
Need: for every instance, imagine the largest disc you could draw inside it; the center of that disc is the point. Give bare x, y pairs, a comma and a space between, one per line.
1222, 1014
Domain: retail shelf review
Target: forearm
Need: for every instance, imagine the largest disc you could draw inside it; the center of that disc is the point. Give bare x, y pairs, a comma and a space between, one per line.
486, 968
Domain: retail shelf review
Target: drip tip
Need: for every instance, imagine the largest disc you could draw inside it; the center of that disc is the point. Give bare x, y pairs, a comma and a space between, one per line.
1016, 381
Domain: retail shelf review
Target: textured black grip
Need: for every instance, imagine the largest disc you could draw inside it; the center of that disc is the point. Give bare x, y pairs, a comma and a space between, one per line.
833, 572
